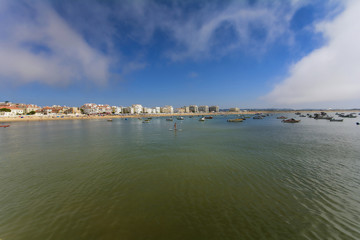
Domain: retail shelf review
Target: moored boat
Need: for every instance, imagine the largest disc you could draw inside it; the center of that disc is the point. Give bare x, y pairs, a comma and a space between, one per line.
180, 118
109, 120
258, 117
291, 120
322, 116
209, 117
202, 119
4, 126
169, 119
336, 120
236, 120
351, 115
282, 117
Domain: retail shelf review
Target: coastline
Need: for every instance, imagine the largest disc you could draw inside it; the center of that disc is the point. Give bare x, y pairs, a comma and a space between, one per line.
26, 118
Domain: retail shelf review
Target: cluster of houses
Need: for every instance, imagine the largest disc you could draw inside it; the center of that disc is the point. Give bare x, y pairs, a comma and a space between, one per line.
13, 109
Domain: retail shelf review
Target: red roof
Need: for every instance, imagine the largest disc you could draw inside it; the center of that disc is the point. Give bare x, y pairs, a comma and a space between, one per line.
11, 107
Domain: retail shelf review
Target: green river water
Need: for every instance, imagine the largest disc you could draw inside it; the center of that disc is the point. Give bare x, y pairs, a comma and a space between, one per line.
260, 179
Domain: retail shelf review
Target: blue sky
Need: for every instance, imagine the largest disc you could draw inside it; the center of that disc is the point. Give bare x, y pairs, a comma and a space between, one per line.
249, 54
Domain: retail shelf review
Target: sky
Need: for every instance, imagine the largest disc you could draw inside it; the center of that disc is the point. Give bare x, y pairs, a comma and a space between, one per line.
231, 53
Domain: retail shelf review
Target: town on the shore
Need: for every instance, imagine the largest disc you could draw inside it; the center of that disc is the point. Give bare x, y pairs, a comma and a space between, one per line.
9, 109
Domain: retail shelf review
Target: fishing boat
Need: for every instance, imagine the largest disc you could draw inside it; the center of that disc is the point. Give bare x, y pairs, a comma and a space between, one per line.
4, 126
236, 120
202, 119
323, 116
291, 120
351, 115
336, 120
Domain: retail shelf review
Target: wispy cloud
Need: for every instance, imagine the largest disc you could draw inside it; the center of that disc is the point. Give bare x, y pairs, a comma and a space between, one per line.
217, 32
37, 45
330, 73
212, 29
59, 43
191, 30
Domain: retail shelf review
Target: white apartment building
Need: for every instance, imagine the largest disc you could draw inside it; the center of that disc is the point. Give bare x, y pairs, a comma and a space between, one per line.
156, 110
104, 108
148, 110
116, 109
193, 108
30, 107
128, 110
204, 109
167, 109
235, 109
214, 109
14, 111
137, 108
90, 108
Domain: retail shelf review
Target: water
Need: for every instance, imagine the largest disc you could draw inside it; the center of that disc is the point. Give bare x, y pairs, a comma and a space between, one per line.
260, 179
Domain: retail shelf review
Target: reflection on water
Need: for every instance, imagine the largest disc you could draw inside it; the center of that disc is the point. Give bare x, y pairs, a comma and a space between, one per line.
260, 179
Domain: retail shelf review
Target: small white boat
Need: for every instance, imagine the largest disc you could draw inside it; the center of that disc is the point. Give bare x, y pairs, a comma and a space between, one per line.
202, 119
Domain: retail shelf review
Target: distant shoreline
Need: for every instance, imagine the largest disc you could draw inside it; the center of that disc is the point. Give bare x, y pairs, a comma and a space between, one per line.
27, 118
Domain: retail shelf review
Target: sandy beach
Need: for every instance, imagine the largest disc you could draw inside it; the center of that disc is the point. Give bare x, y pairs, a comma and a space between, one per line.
24, 118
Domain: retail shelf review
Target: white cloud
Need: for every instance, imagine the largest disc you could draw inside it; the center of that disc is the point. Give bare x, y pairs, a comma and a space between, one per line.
37, 45
201, 33
198, 37
330, 73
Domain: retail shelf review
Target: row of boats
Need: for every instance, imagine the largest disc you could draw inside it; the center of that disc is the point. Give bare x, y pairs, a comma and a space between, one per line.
318, 116
202, 119
241, 118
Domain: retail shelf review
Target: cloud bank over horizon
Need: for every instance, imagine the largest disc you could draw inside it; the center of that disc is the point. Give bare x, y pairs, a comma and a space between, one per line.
330, 73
